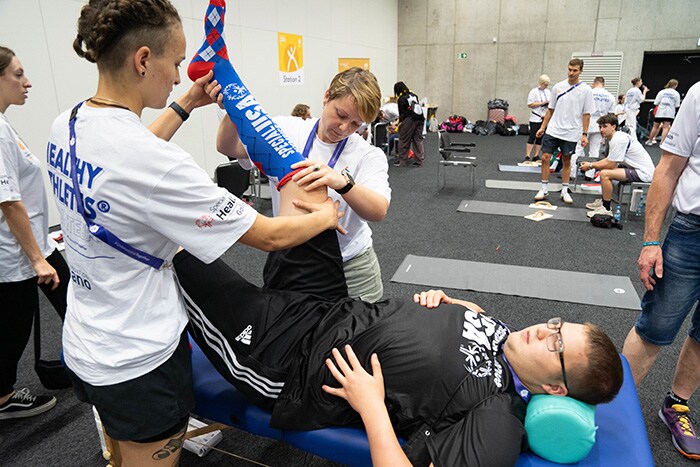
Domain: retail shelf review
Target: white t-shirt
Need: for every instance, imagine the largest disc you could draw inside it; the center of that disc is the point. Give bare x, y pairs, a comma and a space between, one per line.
569, 106
538, 95
620, 112
684, 140
391, 111
125, 318
668, 101
603, 103
367, 165
633, 99
21, 180
623, 148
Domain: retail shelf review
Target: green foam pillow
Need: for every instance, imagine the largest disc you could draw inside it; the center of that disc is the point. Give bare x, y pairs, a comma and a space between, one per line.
560, 429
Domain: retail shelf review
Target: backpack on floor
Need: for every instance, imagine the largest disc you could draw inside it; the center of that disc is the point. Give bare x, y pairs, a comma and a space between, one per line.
605, 221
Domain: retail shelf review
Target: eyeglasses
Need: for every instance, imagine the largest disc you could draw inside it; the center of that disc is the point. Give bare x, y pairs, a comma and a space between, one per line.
556, 344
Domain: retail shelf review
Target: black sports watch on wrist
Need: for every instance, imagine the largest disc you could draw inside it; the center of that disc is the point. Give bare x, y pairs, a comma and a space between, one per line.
350, 182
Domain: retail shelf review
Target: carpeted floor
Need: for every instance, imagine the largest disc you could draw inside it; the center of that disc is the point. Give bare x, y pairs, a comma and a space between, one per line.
420, 222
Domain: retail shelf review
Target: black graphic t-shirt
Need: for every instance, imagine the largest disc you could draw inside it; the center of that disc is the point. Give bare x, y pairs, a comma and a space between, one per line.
442, 368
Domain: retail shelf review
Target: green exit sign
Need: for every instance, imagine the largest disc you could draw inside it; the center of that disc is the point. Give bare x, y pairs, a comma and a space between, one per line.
462, 55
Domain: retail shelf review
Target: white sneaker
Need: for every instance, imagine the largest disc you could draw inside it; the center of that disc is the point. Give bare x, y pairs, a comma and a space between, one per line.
599, 210
566, 197
595, 204
648, 143
541, 195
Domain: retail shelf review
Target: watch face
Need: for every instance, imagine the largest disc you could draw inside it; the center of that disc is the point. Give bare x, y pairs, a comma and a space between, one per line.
348, 177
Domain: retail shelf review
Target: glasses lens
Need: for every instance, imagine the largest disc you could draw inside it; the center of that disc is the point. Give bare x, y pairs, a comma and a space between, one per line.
554, 323
555, 343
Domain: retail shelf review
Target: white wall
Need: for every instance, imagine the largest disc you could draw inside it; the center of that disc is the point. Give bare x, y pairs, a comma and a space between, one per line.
41, 33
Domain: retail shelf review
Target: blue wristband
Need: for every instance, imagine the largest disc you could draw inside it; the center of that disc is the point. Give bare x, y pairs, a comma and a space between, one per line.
651, 243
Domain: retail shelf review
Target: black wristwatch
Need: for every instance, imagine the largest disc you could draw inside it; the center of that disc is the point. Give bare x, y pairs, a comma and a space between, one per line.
350, 182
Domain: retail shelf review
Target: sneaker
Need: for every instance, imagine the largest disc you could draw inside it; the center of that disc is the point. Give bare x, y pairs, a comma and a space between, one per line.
683, 434
541, 195
599, 210
595, 204
566, 197
648, 143
24, 404
397, 163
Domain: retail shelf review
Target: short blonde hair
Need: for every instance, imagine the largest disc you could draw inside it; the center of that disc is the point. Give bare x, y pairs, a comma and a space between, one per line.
543, 79
672, 83
362, 86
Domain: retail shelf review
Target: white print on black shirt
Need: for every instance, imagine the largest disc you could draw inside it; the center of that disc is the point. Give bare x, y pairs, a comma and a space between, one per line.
483, 336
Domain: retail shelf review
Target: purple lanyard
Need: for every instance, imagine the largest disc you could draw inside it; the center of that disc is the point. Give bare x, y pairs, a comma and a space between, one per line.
569, 90
520, 388
310, 142
96, 229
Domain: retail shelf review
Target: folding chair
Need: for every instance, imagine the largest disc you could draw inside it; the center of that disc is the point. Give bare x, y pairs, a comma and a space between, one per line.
379, 135
236, 179
452, 155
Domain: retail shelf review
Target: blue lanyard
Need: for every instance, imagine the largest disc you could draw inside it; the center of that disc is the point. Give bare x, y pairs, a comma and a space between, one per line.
570, 89
520, 388
310, 142
95, 229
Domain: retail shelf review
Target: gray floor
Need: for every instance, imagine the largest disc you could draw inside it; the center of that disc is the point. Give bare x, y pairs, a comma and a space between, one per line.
420, 222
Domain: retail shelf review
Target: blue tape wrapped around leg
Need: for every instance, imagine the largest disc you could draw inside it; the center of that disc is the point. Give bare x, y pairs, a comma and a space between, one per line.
265, 143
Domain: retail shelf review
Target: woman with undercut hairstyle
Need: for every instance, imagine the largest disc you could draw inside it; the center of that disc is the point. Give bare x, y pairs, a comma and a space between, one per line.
127, 198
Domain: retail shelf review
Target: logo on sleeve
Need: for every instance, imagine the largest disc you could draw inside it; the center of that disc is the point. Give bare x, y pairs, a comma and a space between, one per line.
204, 222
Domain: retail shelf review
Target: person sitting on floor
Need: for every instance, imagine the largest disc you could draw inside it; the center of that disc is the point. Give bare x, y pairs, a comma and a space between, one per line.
453, 381
622, 149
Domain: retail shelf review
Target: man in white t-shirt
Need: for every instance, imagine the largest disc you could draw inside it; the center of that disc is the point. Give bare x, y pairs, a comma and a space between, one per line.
666, 102
356, 173
604, 103
633, 99
565, 123
622, 149
671, 273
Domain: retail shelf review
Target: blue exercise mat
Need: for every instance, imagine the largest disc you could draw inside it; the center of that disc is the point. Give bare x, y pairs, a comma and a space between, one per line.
571, 286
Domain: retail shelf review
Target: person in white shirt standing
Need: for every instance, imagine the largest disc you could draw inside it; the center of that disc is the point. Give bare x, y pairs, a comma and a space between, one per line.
604, 103
623, 149
356, 172
633, 99
565, 123
667, 101
537, 101
29, 260
671, 274
127, 200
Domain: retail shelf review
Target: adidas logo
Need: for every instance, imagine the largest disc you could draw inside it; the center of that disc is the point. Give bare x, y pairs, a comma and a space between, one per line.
246, 335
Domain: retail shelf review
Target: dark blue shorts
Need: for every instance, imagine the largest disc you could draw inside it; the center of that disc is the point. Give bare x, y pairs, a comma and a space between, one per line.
551, 145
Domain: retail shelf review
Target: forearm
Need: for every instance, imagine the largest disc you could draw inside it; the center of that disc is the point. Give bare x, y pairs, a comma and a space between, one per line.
18, 221
228, 142
586, 120
278, 233
661, 193
383, 445
170, 121
545, 120
368, 204
603, 165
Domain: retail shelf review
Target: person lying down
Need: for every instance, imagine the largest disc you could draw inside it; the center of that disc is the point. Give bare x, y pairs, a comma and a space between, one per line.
452, 381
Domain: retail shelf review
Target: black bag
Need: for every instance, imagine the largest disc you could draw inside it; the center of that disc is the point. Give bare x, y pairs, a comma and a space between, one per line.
504, 130
605, 221
51, 373
497, 104
524, 129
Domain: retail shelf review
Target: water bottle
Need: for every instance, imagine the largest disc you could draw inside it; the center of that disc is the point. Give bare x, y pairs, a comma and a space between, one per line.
641, 204
617, 216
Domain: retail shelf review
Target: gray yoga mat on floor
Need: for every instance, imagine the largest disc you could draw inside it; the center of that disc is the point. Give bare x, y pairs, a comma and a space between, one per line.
535, 186
521, 210
567, 286
517, 168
